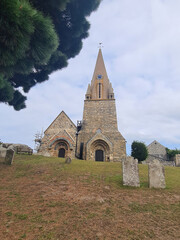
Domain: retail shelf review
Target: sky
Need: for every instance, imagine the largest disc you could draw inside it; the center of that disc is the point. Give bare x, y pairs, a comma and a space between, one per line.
141, 50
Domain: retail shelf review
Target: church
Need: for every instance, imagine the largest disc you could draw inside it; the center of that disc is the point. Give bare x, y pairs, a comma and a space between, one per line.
96, 137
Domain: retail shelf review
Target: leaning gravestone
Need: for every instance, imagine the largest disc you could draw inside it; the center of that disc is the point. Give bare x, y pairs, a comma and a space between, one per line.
156, 174
9, 157
68, 160
130, 172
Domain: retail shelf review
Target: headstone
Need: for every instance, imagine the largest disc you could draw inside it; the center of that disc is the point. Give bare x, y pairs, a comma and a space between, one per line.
130, 172
68, 160
156, 174
9, 157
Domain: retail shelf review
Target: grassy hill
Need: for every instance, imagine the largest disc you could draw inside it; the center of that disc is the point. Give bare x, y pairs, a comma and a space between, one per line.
44, 198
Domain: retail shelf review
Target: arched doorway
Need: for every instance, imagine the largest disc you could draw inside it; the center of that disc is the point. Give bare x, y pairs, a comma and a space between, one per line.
99, 151
99, 155
61, 153
62, 149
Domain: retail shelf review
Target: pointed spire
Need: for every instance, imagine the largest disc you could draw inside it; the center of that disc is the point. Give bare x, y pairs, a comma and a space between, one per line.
100, 68
100, 87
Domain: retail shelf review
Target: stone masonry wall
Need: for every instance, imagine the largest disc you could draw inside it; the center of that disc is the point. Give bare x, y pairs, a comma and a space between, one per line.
158, 150
177, 160
101, 115
61, 128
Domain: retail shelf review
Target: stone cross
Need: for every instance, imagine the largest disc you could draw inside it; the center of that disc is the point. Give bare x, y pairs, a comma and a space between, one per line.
9, 157
130, 172
156, 174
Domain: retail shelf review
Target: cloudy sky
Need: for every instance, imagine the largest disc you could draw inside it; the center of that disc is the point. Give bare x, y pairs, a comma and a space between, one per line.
141, 40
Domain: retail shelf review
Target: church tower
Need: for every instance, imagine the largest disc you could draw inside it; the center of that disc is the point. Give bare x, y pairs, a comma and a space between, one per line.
99, 138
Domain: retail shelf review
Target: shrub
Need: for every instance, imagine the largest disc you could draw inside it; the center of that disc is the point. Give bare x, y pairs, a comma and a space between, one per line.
139, 151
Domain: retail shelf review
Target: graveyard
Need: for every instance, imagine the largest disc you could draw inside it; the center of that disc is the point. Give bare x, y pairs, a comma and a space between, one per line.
45, 198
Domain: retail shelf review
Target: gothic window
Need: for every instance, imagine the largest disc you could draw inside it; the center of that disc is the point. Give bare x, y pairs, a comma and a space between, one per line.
99, 90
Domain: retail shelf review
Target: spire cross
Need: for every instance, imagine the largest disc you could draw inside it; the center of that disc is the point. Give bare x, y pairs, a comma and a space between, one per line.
100, 45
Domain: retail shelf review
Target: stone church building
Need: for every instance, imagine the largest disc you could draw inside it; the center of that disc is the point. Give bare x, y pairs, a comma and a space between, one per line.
94, 138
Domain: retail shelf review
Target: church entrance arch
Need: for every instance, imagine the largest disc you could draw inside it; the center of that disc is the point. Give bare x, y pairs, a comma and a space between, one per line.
61, 148
61, 153
100, 150
99, 155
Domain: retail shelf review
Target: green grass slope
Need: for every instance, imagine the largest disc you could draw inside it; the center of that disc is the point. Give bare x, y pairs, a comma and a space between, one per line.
44, 198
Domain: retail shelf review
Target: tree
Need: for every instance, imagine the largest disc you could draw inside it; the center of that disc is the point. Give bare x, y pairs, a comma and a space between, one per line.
139, 151
38, 37
172, 152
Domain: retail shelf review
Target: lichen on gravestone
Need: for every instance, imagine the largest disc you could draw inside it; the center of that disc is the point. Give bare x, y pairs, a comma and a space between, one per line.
9, 157
156, 174
130, 172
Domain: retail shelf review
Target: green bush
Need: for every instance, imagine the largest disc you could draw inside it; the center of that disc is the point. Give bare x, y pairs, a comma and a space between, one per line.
139, 151
172, 152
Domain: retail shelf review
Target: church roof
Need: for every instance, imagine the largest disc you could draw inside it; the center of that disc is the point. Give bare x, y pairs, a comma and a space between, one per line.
155, 143
59, 116
100, 68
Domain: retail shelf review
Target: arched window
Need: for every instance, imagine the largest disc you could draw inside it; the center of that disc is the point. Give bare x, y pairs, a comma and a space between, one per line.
99, 90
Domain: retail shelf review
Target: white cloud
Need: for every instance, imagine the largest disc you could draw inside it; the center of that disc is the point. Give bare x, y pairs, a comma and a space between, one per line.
142, 56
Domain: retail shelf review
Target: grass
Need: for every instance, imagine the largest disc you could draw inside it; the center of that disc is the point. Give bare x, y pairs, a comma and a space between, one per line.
87, 170
44, 198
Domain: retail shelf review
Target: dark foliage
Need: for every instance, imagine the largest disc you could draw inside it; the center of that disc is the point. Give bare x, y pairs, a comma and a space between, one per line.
172, 152
139, 151
38, 37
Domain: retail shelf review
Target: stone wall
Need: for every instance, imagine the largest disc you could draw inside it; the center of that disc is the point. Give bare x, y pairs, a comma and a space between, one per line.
2, 152
100, 122
163, 161
157, 149
60, 134
99, 114
177, 160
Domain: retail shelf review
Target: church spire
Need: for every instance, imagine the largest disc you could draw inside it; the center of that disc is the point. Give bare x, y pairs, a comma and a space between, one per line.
100, 87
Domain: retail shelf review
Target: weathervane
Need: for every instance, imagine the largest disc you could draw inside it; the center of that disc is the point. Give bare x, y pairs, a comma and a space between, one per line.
100, 45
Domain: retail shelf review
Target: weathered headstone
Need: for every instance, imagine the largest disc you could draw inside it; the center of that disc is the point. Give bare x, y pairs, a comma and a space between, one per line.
9, 157
130, 172
156, 174
68, 160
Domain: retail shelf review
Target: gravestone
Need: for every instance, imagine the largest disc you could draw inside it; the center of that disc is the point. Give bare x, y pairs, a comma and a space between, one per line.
156, 174
68, 160
9, 157
130, 172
